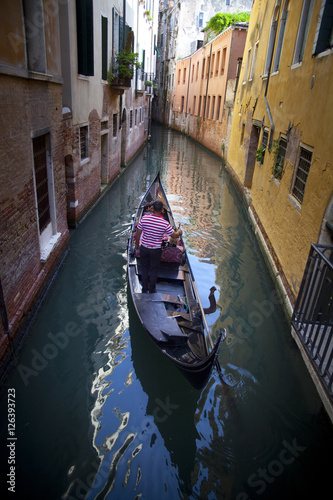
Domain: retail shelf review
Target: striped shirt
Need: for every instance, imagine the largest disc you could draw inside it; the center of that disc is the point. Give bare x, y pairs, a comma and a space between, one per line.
153, 227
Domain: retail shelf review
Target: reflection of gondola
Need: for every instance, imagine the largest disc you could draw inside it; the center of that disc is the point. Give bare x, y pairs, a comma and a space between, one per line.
173, 316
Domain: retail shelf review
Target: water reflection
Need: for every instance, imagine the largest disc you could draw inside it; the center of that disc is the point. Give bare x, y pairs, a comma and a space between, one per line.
107, 416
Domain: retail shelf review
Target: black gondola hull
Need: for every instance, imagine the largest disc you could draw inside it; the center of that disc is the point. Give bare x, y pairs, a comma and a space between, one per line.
173, 317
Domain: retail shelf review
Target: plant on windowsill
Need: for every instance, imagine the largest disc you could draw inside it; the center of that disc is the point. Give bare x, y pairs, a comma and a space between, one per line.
122, 68
148, 83
277, 169
127, 61
260, 154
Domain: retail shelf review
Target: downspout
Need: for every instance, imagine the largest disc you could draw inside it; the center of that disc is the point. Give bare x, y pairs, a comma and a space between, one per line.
210, 61
4, 317
268, 109
188, 84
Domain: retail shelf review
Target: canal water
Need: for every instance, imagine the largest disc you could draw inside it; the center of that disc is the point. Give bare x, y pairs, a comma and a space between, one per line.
100, 414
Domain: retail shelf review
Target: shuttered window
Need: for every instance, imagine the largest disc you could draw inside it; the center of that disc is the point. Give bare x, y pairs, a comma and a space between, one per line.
85, 37
41, 179
104, 48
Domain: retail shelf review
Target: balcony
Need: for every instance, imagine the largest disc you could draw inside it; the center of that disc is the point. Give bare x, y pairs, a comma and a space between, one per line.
312, 318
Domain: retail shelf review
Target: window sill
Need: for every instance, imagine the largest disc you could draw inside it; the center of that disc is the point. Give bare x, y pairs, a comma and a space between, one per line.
275, 180
48, 248
325, 53
296, 65
294, 203
84, 161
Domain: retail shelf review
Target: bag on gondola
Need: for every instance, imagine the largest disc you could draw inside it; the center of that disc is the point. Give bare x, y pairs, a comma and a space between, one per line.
172, 254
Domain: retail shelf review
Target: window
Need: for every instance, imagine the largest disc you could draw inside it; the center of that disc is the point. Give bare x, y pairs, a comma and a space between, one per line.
194, 103
44, 192
280, 154
200, 19
301, 174
271, 40
213, 107
212, 66
303, 30
224, 55
208, 106
208, 61
84, 142
218, 55
199, 108
182, 107
184, 76
218, 108
131, 118
282, 29
324, 34
203, 69
114, 125
135, 117
41, 179
242, 134
179, 73
35, 36
247, 64
104, 48
196, 76
85, 37
263, 146
253, 61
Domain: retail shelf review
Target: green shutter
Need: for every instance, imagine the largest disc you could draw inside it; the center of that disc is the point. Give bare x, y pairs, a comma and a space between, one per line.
104, 48
85, 37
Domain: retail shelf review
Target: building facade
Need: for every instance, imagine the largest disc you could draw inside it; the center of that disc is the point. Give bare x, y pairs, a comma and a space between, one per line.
205, 85
280, 152
68, 128
33, 223
180, 34
106, 119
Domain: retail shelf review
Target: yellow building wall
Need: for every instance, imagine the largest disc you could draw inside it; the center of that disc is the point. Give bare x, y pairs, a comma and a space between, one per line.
301, 105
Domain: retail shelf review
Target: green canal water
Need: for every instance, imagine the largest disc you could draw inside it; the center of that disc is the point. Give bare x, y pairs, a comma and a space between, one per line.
99, 412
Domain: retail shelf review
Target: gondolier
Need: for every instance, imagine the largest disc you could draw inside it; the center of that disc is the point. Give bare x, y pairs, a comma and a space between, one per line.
173, 317
152, 227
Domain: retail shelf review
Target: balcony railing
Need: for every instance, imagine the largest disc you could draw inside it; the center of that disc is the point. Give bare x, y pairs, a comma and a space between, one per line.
313, 314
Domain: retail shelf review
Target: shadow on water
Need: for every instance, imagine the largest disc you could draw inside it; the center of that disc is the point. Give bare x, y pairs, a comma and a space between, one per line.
100, 413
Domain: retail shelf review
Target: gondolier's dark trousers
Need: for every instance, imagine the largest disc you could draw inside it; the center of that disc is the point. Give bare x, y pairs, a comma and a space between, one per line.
150, 262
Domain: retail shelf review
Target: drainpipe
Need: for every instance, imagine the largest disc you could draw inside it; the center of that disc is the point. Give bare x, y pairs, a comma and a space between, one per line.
188, 84
210, 61
4, 317
268, 109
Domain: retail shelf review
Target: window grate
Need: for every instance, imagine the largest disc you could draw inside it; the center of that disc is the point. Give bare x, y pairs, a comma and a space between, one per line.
302, 173
84, 142
279, 160
42, 189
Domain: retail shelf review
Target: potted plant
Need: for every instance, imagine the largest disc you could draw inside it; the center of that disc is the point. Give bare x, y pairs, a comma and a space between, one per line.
127, 60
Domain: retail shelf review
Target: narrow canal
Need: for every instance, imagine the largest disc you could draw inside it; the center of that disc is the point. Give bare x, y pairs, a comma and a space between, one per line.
101, 414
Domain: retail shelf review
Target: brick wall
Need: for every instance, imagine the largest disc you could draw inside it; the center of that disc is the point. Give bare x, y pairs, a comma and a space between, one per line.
26, 107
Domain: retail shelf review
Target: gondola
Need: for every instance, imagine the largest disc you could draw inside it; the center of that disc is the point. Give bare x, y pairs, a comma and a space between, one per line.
173, 316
